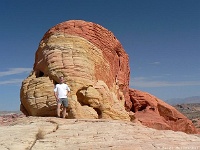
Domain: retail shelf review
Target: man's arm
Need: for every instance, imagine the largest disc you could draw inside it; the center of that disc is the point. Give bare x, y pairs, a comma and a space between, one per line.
67, 90
56, 93
68, 93
56, 96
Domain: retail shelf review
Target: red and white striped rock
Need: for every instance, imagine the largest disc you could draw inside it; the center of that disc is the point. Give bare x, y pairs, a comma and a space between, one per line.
91, 59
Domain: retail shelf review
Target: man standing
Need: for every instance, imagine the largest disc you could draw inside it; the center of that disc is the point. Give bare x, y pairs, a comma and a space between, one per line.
61, 92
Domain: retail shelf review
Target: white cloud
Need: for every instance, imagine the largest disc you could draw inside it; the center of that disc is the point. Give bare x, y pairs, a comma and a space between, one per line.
12, 81
13, 71
155, 63
143, 82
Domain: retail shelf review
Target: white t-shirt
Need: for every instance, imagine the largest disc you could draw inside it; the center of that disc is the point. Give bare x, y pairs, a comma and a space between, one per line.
62, 90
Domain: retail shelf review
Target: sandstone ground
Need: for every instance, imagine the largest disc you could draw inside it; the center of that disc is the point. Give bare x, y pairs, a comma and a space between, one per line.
38, 133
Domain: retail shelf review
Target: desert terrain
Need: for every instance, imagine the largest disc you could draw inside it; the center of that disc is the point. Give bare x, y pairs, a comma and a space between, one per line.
18, 132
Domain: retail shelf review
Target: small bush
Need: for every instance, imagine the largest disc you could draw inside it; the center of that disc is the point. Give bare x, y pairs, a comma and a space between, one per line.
194, 121
40, 134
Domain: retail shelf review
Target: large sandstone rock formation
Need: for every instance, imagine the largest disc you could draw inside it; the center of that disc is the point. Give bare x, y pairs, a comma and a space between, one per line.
94, 65
96, 68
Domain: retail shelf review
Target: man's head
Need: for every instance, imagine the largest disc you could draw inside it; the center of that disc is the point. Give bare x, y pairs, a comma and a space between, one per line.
61, 79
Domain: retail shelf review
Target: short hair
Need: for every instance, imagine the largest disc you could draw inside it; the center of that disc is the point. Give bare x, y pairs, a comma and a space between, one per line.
61, 77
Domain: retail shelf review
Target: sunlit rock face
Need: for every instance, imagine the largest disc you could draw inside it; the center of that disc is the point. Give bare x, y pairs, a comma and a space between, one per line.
94, 65
155, 113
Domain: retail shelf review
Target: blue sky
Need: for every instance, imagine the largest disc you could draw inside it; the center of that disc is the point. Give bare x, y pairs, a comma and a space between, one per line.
161, 37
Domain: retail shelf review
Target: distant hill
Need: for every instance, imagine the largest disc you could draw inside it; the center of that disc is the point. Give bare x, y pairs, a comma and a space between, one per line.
192, 111
188, 100
9, 112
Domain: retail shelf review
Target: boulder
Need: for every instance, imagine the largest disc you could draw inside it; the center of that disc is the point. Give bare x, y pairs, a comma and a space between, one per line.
94, 65
155, 113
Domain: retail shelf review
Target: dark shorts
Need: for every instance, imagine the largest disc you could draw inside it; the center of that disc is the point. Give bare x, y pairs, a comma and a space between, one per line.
63, 101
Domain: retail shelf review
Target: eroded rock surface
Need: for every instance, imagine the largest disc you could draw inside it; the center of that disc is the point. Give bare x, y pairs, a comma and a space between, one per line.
155, 113
51, 133
94, 65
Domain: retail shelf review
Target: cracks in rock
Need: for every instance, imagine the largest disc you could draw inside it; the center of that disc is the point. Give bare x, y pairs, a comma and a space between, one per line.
62, 55
41, 133
57, 126
36, 138
154, 146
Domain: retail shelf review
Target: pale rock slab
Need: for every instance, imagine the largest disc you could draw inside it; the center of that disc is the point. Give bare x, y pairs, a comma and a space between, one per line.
38, 133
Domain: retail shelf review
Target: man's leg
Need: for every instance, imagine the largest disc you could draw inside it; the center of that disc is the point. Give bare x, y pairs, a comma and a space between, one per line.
58, 109
64, 112
65, 105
